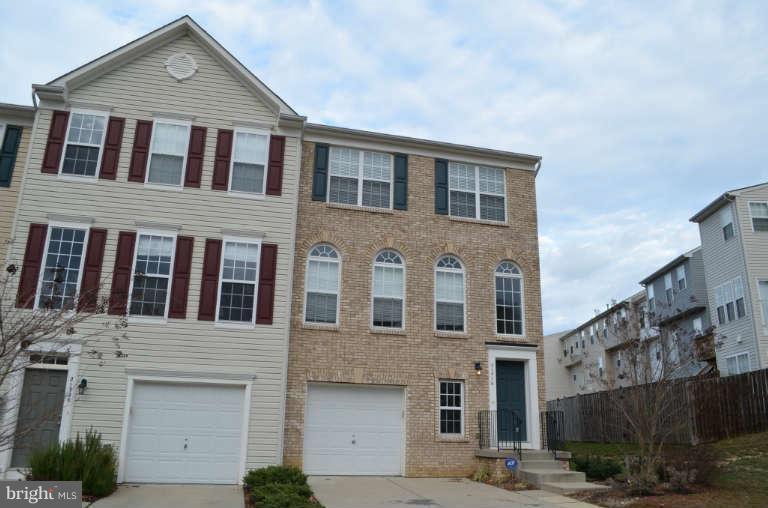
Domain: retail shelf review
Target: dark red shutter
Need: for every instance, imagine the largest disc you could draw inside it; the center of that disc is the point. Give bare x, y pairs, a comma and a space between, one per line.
121, 277
221, 162
55, 145
265, 304
275, 168
141, 139
195, 157
89, 287
30, 268
182, 266
209, 285
112, 144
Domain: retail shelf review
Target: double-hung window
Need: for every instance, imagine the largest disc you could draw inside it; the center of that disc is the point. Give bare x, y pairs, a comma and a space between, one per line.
509, 299
651, 298
239, 280
670, 295
759, 214
63, 267
726, 222
449, 295
762, 287
360, 177
321, 299
698, 326
682, 283
152, 270
477, 192
451, 407
737, 364
84, 143
168, 154
388, 290
249, 160
729, 299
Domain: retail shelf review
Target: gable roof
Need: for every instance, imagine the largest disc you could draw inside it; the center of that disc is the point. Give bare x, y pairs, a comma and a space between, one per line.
721, 200
185, 25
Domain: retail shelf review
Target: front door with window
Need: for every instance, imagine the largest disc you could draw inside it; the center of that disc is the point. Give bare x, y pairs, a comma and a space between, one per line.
510, 401
42, 398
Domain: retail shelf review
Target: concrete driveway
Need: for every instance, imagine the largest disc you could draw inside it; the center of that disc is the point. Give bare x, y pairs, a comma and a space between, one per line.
173, 496
396, 492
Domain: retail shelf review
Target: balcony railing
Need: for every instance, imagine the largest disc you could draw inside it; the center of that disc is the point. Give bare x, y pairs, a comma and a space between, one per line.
502, 430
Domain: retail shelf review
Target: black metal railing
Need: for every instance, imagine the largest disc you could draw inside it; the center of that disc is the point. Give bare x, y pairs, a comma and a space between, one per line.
503, 430
552, 430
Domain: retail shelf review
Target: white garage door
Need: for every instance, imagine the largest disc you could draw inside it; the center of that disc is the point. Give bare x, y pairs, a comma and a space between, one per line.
184, 433
353, 430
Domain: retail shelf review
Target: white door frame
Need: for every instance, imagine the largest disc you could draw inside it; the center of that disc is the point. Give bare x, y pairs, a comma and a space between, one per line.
527, 355
175, 378
16, 383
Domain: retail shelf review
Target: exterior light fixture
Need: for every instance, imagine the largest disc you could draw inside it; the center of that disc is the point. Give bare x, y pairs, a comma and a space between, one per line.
82, 386
478, 368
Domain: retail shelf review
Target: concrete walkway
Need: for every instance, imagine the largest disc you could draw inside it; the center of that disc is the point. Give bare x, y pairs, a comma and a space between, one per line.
393, 492
173, 496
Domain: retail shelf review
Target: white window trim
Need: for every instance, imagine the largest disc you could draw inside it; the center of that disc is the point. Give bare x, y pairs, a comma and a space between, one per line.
258, 132
68, 225
727, 212
680, 270
2, 133
762, 302
477, 193
170, 121
440, 407
72, 112
736, 358
152, 232
751, 217
463, 273
373, 288
338, 285
239, 239
361, 155
724, 303
522, 301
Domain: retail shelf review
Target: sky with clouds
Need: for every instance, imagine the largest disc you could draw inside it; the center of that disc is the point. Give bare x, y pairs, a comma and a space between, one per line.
643, 112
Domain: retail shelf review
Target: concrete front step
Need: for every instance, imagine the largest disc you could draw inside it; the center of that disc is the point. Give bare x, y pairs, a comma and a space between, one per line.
536, 455
527, 463
539, 476
568, 487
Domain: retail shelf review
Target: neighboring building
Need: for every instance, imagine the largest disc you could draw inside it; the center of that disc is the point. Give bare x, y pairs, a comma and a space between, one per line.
556, 380
168, 171
734, 243
416, 304
15, 130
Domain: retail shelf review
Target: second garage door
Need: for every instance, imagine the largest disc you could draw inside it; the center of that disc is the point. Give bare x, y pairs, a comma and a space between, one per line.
184, 433
354, 430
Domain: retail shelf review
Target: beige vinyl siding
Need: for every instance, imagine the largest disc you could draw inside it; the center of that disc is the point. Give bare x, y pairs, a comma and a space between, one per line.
9, 196
137, 91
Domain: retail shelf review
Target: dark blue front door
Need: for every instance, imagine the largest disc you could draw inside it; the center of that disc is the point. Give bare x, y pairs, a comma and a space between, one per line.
510, 401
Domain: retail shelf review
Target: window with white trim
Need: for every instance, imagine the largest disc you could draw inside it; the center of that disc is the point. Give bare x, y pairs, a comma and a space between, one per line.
84, 143
359, 177
759, 214
698, 326
762, 288
668, 288
449, 294
151, 279
249, 161
737, 364
477, 192
168, 153
682, 283
729, 301
726, 222
651, 298
451, 407
509, 299
239, 280
62, 268
388, 290
321, 299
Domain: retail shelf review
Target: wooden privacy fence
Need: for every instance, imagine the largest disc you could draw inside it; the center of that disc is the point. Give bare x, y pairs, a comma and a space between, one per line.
698, 410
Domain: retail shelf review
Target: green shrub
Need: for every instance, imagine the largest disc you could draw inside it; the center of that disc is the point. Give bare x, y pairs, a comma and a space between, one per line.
482, 474
83, 459
595, 467
282, 495
274, 474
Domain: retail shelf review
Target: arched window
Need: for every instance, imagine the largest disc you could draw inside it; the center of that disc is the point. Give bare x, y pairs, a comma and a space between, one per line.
509, 299
388, 289
449, 294
321, 299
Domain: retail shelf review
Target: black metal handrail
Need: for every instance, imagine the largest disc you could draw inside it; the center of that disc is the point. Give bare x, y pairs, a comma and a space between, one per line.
500, 429
552, 430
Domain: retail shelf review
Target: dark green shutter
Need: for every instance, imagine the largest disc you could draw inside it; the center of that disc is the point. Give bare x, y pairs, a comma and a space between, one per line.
400, 201
441, 187
8, 149
320, 176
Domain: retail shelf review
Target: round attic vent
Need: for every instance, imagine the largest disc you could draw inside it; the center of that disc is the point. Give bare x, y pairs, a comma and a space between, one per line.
181, 66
